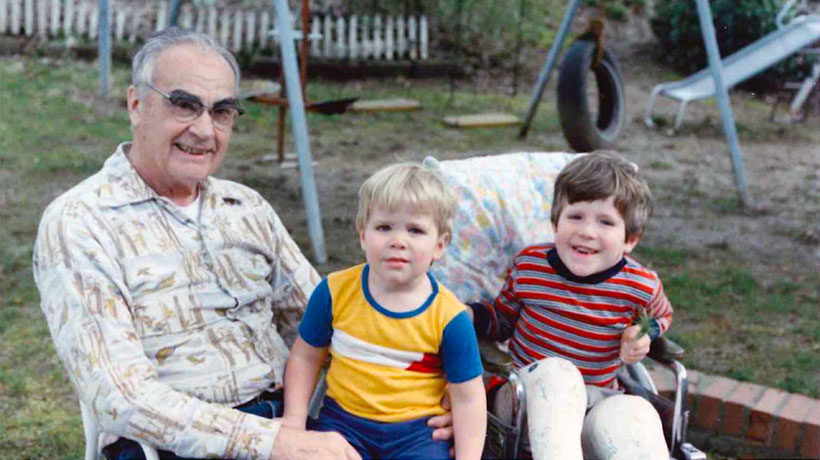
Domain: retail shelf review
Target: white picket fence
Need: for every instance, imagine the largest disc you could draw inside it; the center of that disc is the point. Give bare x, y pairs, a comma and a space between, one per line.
355, 37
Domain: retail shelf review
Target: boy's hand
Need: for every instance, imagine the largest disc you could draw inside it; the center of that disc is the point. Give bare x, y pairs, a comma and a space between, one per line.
634, 349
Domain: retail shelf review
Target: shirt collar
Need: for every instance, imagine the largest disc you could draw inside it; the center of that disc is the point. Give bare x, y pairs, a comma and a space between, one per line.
122, 185
558, 265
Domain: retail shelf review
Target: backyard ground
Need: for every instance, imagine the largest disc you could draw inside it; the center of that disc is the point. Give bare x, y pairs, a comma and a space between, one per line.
745, 283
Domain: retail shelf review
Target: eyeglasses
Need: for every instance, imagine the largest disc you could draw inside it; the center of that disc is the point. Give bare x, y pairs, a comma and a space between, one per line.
186, 108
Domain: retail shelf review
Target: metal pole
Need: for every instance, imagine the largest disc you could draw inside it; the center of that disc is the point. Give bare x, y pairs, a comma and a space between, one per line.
721, 92
296, 104
280, 122
173, 15
104, 48
544, 76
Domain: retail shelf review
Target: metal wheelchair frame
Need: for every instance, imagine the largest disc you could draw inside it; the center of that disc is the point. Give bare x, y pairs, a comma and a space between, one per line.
504, 439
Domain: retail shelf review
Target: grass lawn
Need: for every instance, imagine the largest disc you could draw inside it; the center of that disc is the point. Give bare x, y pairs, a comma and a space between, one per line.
54, 132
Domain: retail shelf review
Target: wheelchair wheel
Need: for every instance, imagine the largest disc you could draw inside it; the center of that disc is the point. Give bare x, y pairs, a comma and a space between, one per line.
591, 110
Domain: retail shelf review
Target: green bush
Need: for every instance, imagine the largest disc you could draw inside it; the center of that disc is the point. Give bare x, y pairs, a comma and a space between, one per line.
737, 24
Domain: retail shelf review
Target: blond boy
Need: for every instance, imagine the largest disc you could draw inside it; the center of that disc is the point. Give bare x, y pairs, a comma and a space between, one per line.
398, 339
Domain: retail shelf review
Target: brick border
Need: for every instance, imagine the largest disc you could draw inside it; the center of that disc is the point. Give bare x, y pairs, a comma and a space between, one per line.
786, 422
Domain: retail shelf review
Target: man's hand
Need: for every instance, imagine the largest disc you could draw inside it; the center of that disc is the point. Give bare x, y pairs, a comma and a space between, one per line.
634, 349
443, 423
295, 444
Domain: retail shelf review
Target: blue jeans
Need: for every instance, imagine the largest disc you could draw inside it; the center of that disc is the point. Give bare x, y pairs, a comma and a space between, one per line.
412, 440
126, 449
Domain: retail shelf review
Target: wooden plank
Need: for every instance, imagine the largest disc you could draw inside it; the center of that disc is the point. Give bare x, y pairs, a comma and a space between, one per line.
56, 6
186, 17
401, 38
82, 18
212, 22
340, 36
29, 17
237, 31
3, 18
424, 37
377, 37
119, 25
136, 20
199, 13
264, 29
15, 17
68, 18
366, 43
386, 105
224, 27
327, 41
93, 21
389, 31
314, 43
481, 120
250, 31
411, 37
353, 44
162, 21
42, 21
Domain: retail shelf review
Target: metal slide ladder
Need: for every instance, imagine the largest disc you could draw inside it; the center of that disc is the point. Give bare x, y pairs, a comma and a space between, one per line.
801, 32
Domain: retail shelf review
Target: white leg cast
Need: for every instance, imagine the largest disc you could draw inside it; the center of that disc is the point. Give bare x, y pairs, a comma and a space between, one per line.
556, 402
623, 427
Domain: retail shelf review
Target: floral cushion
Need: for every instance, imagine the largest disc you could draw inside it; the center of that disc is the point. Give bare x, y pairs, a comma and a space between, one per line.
504, 205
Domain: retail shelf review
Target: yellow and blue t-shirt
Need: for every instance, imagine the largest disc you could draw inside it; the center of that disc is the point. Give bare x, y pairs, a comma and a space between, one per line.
388, 366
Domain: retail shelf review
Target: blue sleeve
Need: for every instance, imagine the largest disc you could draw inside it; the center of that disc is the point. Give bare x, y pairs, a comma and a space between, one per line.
316, 327
459, 350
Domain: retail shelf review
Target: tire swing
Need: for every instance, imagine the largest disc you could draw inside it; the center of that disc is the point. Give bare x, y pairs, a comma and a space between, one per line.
585, 128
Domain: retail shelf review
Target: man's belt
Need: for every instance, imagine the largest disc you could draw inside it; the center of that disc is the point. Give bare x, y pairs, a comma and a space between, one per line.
267, 395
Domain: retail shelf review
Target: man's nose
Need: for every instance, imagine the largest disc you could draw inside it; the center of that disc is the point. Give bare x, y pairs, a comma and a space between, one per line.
203, 126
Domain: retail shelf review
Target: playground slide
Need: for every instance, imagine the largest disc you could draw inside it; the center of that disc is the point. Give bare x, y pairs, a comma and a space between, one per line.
743, 64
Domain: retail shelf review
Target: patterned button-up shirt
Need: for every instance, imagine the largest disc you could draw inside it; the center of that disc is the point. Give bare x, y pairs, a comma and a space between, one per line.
164, 323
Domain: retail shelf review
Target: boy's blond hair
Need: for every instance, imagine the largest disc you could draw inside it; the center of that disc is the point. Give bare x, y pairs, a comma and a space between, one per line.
408, 184
598, 176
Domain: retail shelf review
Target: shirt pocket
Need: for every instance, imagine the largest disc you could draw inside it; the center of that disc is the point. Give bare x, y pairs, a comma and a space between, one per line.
161, 298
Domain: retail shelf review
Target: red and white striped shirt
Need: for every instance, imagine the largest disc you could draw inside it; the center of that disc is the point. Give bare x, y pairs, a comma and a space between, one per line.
548, 311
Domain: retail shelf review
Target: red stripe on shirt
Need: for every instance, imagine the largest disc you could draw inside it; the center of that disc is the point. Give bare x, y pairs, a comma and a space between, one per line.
430, 364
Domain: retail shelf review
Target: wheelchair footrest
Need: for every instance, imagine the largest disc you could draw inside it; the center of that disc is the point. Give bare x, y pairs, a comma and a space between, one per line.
690, 452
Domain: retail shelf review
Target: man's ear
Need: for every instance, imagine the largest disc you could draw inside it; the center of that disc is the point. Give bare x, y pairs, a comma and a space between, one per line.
630, 244
361, 239
133, 105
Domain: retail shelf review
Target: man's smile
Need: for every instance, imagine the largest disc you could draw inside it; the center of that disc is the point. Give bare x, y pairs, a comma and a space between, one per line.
192, 150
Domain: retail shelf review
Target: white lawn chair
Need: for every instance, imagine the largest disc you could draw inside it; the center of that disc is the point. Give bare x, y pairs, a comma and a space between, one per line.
92, 436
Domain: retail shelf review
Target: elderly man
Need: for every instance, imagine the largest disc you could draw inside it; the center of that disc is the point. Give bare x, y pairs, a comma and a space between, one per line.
167, 291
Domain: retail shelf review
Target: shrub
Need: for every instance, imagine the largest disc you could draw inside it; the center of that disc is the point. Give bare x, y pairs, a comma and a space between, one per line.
737, 24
